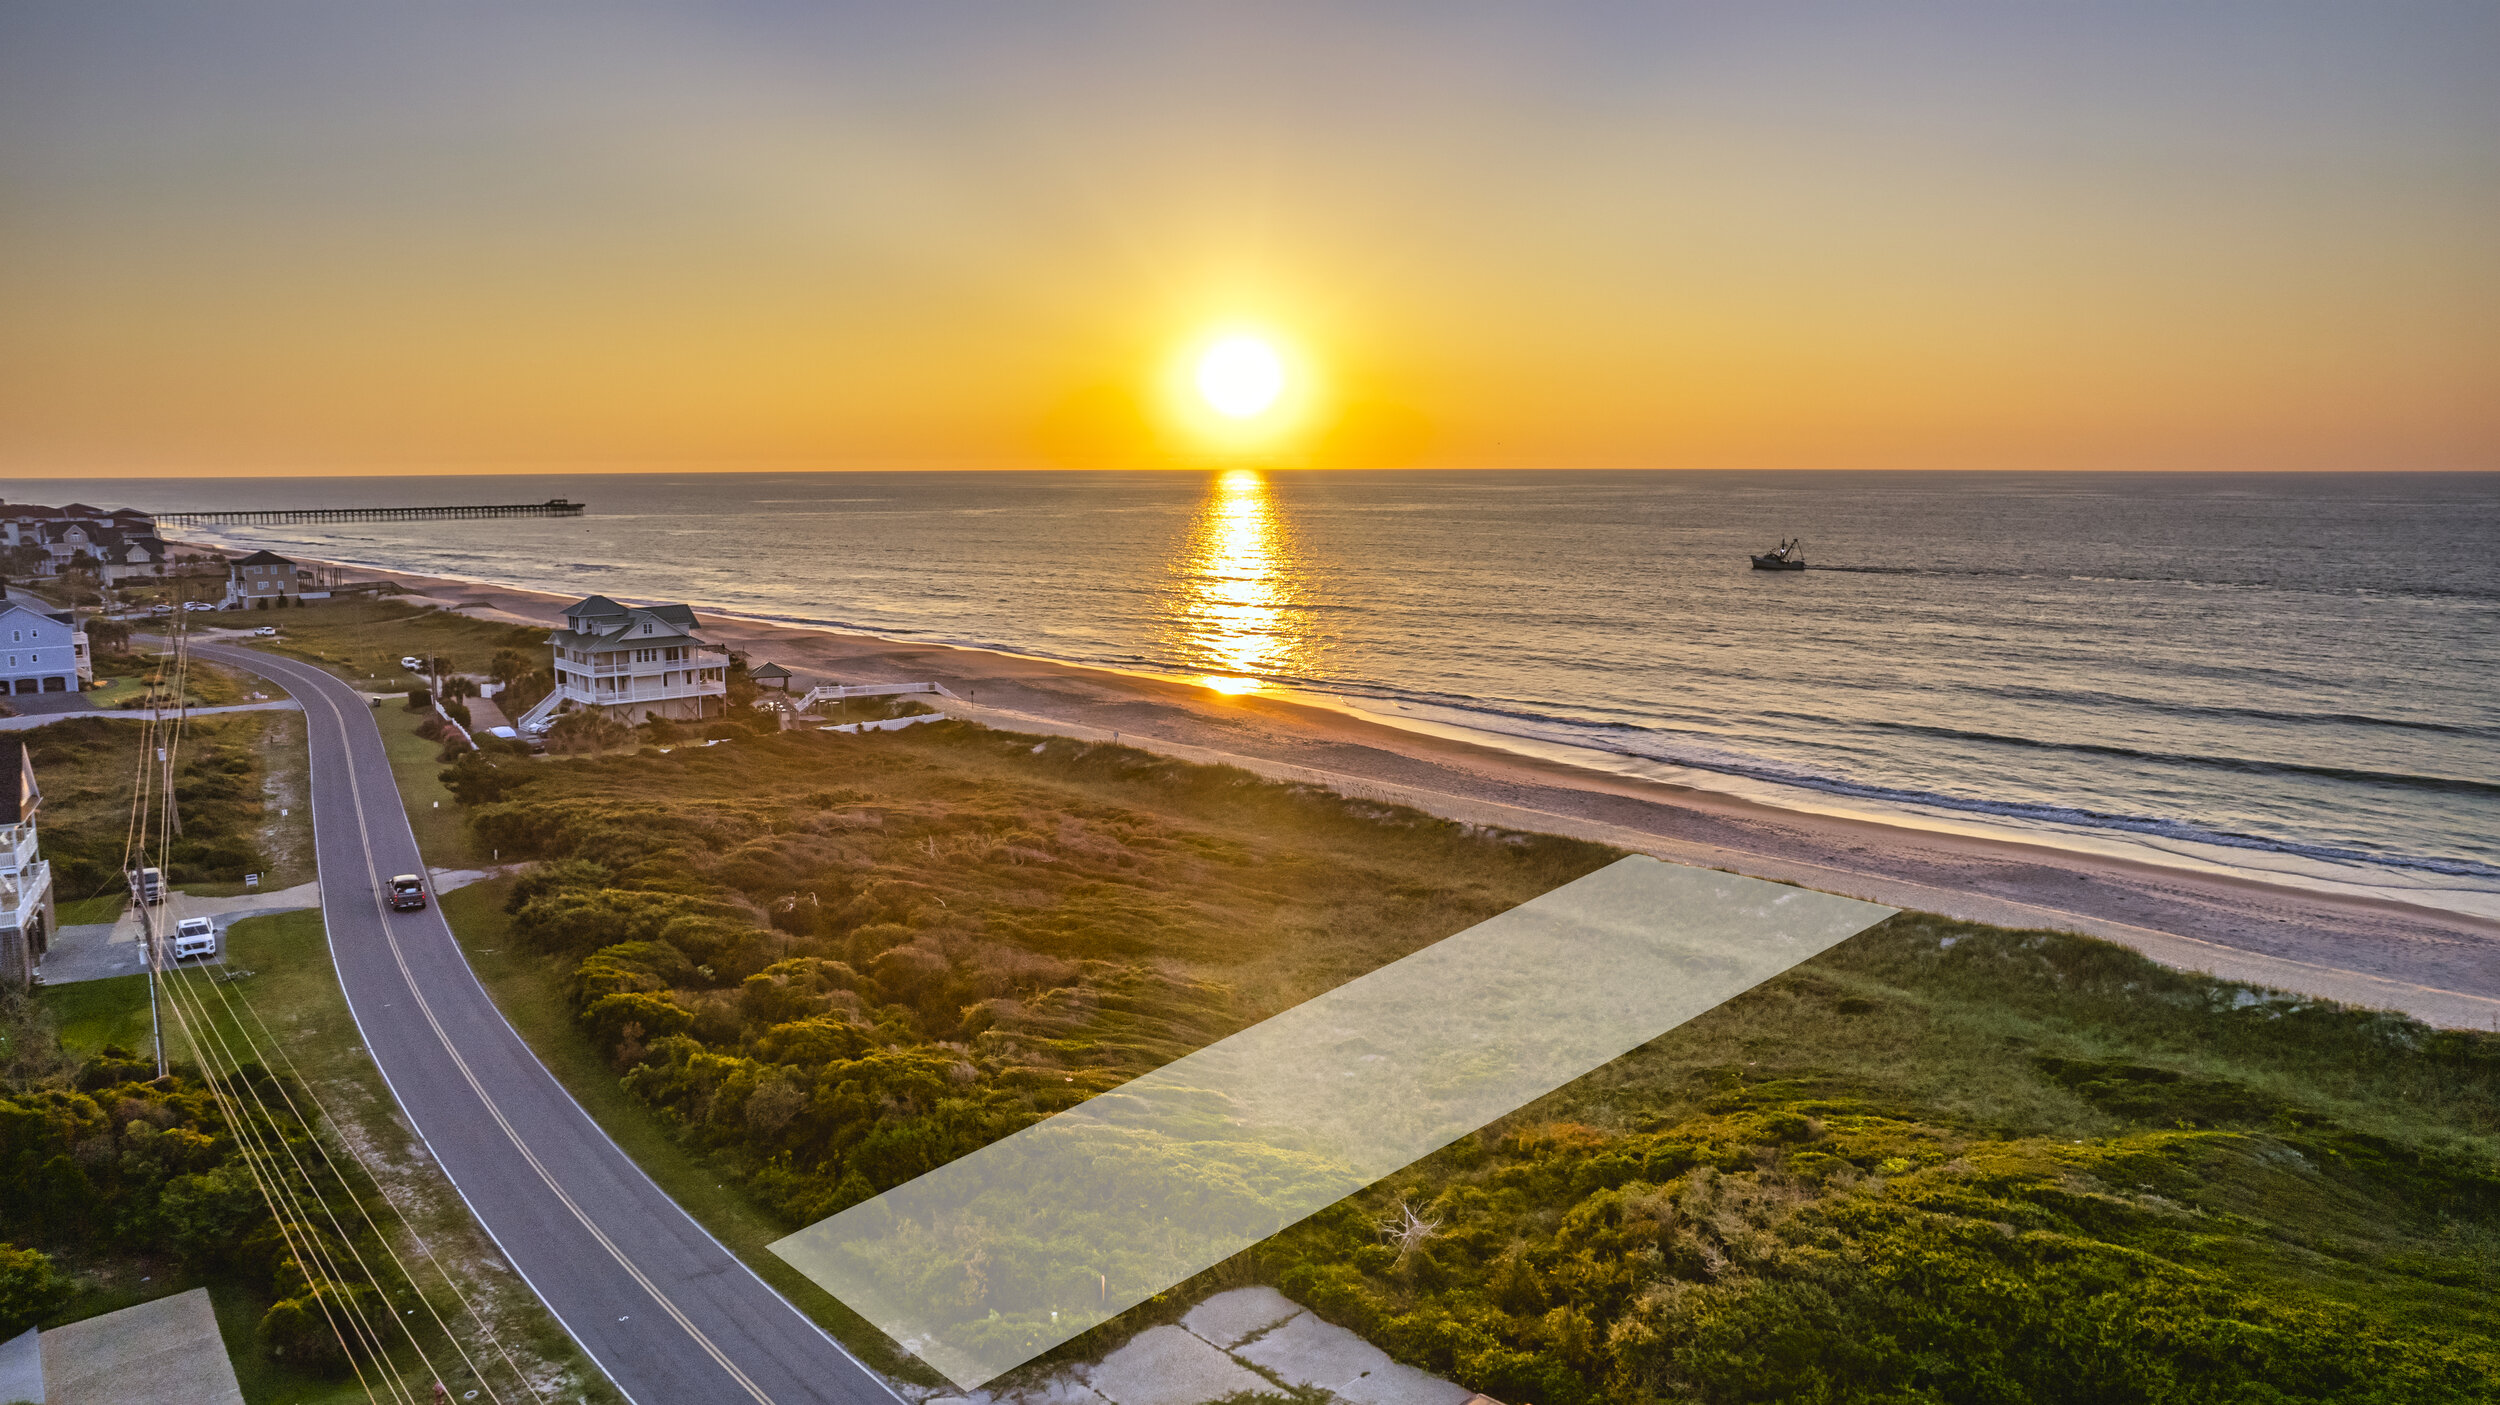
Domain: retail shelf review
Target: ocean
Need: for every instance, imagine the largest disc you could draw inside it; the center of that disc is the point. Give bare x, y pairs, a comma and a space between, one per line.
2293, 676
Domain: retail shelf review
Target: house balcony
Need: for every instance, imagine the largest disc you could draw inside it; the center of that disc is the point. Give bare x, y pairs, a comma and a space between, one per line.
23, 893
701, 659
17, 848
644, 690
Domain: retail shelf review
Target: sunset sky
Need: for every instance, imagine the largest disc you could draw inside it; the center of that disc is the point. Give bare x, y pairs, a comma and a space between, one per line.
245, 237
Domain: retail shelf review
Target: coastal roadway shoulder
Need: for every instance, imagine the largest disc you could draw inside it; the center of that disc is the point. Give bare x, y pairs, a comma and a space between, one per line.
139, 714
665, 1310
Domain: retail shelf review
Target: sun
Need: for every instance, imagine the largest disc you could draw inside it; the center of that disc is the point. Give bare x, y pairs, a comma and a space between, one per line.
1241, 377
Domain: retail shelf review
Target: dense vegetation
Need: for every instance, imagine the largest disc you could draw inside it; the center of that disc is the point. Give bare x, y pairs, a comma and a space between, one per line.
1942, 1162
100, 1161
1948, 1162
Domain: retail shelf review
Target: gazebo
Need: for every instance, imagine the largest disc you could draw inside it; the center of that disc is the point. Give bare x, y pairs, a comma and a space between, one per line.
770, 675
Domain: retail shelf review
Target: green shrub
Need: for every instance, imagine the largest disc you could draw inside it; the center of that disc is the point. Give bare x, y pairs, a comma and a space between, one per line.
31, 1289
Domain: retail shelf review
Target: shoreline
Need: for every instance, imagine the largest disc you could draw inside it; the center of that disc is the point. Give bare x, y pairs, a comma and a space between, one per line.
2436, 964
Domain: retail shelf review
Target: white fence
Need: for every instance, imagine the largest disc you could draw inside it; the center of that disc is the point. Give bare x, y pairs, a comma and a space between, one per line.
869, 690
887, 724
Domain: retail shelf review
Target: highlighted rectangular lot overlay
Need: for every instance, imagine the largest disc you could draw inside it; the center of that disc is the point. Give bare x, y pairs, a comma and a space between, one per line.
990, 1260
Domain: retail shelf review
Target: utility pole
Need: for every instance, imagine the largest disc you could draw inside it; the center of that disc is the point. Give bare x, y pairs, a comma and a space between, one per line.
147, 928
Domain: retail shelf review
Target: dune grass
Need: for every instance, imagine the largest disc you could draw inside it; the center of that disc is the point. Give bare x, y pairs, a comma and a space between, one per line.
236, 773
1942, 1161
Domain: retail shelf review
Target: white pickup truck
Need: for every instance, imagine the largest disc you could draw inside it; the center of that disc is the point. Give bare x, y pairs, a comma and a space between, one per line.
194, 936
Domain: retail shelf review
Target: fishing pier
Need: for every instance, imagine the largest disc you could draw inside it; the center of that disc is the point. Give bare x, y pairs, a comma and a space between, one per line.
277, 516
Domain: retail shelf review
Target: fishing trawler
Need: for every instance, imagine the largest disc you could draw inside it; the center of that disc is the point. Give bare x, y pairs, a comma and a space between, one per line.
1791, 556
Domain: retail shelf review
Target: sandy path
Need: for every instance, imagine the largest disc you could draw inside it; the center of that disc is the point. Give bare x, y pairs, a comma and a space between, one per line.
2439, 966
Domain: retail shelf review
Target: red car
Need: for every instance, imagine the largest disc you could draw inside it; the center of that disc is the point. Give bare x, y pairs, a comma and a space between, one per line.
407, 893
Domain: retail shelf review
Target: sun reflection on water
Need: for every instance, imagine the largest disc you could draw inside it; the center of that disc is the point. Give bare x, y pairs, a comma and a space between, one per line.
1232, 608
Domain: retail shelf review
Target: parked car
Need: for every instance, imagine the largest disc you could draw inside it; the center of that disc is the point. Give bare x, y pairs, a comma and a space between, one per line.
412, 663
267, 631
194, 936
407, 893
197, 605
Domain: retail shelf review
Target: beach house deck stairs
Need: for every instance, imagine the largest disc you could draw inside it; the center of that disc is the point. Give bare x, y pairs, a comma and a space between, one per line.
536, 719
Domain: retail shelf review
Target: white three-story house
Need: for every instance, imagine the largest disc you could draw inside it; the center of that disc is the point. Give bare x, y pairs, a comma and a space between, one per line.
634, 663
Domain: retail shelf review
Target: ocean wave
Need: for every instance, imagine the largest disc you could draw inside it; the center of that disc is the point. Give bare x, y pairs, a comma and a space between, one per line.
2418, 590
2453, 785
2065, 697
1663, 748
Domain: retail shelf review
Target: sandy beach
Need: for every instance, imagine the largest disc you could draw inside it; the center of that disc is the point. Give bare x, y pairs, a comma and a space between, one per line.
2438, 966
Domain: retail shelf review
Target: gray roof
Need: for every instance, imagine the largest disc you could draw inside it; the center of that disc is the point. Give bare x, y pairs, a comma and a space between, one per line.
607, 619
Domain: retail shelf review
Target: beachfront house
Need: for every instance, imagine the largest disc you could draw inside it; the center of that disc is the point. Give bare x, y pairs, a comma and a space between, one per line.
634, 663
26, 913
41, 652
261, 580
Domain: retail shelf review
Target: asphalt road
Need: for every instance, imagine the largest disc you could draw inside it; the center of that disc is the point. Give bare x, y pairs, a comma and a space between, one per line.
669, 1314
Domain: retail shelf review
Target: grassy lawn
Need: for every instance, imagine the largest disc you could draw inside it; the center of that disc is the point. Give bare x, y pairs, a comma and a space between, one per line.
441, 826
79, 912
93, 1014
127, 679
289, 1008
362, 639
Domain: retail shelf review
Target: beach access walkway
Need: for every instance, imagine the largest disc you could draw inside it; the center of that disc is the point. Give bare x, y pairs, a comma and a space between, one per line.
672, 1316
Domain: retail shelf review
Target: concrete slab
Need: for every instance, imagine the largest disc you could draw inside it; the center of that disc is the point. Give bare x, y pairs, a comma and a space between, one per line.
94, 951
21, 1370
162, 1353
1229, 1319
1309, 1352
47, 705
1167, 1366
86, 952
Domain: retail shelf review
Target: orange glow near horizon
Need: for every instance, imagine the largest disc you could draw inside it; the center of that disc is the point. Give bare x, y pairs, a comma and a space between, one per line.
1680, 237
